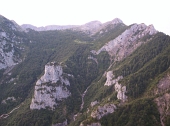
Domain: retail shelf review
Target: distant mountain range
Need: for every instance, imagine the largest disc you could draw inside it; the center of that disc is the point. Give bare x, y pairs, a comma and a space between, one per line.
91, 27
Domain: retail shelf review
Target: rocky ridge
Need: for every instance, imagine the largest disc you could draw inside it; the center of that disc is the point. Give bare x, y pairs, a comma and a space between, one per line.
89, 28
50, 88
8, 54
127, 42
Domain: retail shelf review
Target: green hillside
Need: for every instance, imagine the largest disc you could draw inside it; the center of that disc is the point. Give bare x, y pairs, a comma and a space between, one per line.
143, 71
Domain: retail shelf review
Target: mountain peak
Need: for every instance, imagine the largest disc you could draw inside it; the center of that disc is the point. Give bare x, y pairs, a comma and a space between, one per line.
151, 29
116, 21
93, 23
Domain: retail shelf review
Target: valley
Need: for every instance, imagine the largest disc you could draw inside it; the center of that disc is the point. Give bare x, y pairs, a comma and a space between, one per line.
96, 74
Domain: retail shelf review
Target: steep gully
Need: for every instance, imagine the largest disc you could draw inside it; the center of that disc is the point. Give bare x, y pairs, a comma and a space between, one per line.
82, 104
82, 97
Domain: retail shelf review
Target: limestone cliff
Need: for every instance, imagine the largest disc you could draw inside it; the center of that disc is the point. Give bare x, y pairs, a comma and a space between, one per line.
127, 42
11, 38
163, 102
103, 110
50, 88
8, 55
121, 90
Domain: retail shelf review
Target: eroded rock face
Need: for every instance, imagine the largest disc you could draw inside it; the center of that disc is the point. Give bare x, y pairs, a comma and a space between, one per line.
103, 110
8, 56
163, 102
121, 90
127, 42
163, 84
9, 43
50, 88
94, 103
110, 79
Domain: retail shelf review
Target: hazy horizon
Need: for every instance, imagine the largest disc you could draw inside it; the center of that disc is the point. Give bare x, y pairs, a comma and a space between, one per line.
78, 12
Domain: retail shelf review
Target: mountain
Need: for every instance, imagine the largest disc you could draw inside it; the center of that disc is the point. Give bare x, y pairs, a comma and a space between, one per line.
96, 74
90, 27
47, 28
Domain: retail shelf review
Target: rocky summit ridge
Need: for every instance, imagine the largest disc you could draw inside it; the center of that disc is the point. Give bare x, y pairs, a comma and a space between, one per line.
90, 27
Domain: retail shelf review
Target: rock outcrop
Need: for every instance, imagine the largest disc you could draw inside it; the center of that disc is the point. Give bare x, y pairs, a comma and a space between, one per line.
50, 88
103, 110
127, 42
8, 55
121, 90
110, 79
94, 103
163, 85
10, 40
163, 102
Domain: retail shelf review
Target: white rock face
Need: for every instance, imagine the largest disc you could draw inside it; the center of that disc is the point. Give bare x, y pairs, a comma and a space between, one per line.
127, 42
163, 104
94, 103
7, 57
103, 110
51, 87
110, 81
163, 85
118, 88
121, 92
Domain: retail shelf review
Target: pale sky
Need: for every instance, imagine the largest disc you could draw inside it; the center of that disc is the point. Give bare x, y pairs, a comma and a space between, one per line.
78, 12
